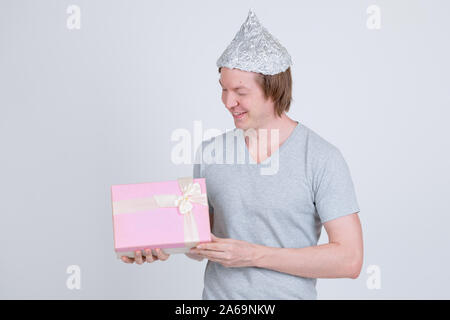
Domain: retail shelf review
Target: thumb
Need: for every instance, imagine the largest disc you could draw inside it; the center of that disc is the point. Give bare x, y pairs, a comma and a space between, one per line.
214, 238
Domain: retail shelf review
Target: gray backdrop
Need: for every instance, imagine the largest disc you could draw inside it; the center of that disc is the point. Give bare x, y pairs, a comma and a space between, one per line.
82, 109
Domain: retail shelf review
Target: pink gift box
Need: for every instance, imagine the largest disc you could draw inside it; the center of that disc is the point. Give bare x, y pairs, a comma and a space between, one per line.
171, 215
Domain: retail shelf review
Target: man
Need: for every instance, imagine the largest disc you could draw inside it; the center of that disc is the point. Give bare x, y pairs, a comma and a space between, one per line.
265, 227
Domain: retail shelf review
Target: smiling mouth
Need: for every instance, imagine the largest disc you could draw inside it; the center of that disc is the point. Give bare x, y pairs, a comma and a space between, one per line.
239, 115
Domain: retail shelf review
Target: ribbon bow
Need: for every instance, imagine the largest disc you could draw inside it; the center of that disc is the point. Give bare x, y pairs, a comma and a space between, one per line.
191, 193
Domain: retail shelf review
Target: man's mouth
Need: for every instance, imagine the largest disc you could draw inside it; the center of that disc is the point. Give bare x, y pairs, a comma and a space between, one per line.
239, 115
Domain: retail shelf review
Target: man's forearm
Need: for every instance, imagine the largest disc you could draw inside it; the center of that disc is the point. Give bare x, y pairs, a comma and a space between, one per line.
330, 260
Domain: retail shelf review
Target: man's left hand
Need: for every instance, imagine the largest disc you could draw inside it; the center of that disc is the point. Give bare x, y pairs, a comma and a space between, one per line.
228, 252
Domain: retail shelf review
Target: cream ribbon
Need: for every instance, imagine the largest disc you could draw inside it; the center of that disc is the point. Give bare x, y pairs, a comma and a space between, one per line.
191, 194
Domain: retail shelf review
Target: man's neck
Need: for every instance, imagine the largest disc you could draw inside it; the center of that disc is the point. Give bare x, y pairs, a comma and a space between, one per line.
283, 124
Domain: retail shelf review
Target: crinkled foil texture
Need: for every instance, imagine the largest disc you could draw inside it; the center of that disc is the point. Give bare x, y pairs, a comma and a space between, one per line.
255, 49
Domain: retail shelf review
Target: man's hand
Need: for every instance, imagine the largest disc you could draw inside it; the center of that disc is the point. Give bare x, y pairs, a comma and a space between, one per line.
228, 252
194, 256
149, 257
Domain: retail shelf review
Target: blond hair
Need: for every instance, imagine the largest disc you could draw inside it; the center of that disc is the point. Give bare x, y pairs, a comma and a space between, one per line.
278, 87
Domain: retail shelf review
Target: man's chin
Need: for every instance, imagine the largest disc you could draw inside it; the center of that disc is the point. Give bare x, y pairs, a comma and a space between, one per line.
240, 125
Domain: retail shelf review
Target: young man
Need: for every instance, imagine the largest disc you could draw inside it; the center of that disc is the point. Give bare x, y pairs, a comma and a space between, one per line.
265, 227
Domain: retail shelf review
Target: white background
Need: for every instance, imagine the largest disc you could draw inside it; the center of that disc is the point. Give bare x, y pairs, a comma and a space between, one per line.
81, 110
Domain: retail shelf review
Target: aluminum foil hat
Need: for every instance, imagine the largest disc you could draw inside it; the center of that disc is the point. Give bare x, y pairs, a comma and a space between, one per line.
255, 49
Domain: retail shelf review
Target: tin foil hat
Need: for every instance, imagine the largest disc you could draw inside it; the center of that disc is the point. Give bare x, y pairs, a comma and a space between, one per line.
255, 49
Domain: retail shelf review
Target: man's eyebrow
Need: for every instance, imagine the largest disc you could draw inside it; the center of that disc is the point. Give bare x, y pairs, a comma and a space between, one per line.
238, 87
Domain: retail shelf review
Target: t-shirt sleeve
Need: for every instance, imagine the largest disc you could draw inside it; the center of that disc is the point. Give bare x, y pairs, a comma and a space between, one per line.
199, 172
334, 192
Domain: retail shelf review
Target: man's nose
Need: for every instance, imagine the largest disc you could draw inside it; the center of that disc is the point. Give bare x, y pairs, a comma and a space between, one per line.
230, 101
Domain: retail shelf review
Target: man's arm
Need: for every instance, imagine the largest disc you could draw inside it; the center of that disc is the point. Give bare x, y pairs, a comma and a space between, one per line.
341, 257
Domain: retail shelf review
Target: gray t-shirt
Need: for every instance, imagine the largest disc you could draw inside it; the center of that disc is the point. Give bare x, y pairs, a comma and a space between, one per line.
286, 210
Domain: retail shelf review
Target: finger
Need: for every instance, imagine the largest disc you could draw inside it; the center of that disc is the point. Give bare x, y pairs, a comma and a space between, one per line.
127, 259
194, 256
154, 255
211, 254
222, 262
149, 256
161, 255
215, 246
138, 257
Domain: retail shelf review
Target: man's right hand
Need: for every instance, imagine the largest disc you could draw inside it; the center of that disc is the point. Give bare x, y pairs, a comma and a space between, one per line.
149, 257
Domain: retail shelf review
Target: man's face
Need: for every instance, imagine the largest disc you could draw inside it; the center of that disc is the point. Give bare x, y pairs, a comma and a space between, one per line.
242, 94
